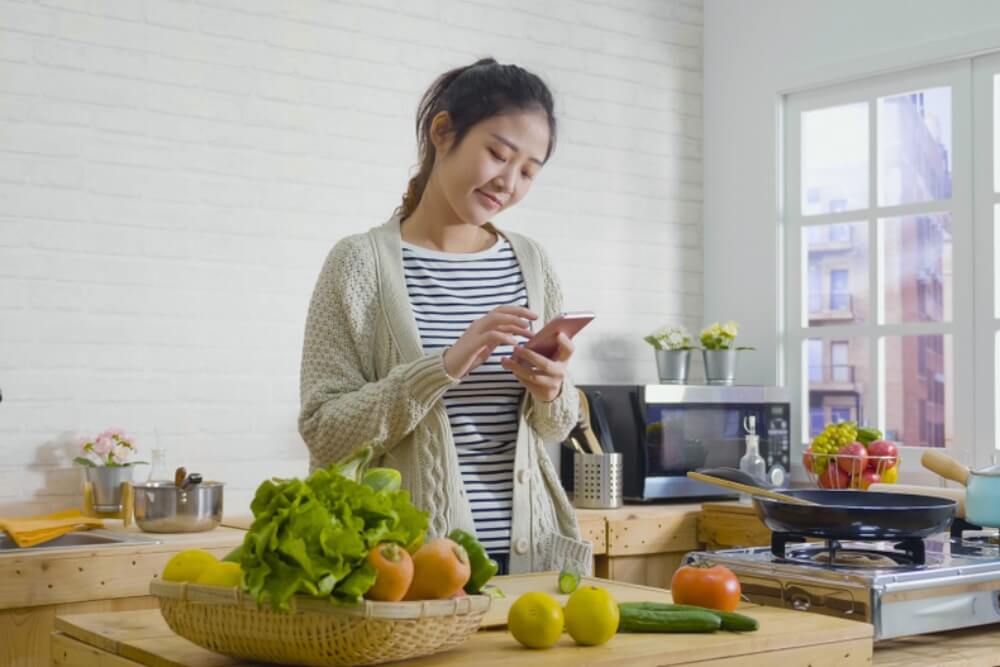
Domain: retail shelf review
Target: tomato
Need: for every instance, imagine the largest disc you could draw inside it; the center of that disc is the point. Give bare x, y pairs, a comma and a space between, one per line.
714, 587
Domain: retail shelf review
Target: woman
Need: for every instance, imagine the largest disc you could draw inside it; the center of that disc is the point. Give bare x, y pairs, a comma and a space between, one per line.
412, 339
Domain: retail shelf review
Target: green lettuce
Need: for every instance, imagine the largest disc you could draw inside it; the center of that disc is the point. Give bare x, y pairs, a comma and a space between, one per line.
313, 536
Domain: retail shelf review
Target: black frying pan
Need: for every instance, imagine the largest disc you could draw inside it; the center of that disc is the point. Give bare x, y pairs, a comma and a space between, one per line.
846, 515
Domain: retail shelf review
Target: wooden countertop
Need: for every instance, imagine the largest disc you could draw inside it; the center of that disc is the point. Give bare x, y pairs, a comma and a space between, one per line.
34, 578
143, 638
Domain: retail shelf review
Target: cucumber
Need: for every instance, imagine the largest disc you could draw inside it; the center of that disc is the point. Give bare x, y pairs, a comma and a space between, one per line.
730, 620
568, 581
632, 619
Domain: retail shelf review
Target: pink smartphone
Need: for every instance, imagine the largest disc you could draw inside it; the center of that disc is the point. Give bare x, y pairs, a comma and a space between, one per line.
545, 341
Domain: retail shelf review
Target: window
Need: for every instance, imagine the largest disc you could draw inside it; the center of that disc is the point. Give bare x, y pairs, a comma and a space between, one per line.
840, 361
879, 224
840, 295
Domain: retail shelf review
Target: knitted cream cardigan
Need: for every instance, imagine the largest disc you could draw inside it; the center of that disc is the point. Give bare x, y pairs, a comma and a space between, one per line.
365, 377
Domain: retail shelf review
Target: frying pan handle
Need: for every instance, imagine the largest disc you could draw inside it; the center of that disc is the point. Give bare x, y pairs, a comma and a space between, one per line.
945, 466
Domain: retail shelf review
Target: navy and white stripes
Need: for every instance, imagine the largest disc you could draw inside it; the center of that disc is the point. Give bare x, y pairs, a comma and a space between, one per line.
448, 291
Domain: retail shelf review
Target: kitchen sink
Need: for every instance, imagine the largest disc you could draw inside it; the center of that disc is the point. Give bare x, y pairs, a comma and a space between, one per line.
90, 539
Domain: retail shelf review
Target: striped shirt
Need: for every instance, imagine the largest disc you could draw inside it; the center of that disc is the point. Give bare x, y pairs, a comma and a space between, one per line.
448, 291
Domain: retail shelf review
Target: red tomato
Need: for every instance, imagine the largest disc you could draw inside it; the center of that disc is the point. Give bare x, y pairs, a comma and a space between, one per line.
713, 587
834, 478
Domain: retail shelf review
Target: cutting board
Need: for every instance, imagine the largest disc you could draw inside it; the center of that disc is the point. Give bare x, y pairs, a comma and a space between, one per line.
547, 582
242, 522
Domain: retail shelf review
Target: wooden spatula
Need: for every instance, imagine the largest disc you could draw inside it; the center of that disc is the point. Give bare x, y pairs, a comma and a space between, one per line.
746, 488
593, 444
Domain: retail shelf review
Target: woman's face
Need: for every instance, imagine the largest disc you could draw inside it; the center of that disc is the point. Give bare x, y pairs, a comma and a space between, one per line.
494, 166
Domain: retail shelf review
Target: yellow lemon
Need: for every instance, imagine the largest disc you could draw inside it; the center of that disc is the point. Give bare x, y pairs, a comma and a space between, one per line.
535, 620
891, 475
187, 565
221, 573
591, 616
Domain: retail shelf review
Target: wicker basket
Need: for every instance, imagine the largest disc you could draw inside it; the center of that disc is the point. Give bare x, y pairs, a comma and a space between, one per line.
315, 632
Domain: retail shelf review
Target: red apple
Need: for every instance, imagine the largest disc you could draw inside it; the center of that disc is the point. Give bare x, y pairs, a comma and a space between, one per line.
807, 460
853, 458
869, 477
834, 478
883, 448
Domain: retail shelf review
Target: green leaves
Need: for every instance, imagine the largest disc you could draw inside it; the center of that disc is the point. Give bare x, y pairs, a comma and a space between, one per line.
312, 536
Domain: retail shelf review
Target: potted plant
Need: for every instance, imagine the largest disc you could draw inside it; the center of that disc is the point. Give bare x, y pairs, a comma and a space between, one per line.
719, 353
672, 345
107, 466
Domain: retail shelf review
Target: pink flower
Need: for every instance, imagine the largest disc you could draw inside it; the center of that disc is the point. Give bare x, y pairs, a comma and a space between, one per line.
120, 454
103, 445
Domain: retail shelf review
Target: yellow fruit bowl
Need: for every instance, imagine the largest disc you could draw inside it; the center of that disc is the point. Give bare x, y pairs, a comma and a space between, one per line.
316, 632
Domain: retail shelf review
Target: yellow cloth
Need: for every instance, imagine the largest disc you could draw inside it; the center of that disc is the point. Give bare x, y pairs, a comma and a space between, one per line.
27, 531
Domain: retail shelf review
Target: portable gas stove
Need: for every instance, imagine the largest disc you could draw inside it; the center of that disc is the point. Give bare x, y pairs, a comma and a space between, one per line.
911, 587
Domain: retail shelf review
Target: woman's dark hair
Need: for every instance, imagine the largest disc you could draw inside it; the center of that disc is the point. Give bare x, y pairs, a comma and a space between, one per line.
471, 94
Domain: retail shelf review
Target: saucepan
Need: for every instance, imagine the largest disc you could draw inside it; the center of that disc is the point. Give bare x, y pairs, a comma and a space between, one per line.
190, 506
982, 495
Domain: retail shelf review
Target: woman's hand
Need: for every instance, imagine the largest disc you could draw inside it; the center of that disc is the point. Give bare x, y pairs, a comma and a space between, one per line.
497, 327
541, 376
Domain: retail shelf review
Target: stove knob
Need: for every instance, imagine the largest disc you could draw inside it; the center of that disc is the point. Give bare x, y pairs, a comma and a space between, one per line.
801, 603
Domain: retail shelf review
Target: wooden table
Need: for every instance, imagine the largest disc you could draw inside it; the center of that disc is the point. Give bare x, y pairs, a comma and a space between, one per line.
785, 637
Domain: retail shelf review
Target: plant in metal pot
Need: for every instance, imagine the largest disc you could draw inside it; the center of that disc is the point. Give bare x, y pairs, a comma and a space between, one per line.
673, 353
719, 351
112, 448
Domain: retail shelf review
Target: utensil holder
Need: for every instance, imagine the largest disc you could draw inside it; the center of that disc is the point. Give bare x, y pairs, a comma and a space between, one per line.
597, 480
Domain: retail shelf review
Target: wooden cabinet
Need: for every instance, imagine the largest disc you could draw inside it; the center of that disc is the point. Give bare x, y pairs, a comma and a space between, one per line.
37, 586
730, 525
645, 544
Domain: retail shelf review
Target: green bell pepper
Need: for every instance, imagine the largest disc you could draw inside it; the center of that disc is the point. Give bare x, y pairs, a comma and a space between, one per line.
482, 566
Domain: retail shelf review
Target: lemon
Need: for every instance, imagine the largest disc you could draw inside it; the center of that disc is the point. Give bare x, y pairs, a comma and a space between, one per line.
535, 620
891, 475
221, 573
591, 616
187, 565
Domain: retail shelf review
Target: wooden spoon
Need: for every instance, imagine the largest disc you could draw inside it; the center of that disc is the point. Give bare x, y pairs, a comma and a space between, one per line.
588, 435
746, 488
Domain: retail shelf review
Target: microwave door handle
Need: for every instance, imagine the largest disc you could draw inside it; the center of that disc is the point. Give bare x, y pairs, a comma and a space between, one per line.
639, 419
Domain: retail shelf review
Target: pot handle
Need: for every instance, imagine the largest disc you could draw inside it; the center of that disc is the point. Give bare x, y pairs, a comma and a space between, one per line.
945, 466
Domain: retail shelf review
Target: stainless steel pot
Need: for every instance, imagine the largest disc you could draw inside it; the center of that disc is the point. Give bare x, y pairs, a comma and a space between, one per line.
164, 507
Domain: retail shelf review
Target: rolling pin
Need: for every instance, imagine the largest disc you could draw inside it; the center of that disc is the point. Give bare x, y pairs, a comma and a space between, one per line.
958, 495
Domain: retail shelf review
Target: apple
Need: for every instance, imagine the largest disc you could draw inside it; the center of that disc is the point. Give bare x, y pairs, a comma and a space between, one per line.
883, 448
834, 478
853, 458
869, 477
807, 460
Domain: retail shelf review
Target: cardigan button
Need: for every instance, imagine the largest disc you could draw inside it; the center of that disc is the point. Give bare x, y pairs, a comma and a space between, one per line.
521, 546
522, 476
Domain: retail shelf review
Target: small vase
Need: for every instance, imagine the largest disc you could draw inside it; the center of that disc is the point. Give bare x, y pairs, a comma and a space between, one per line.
106, 482
720, 366
673, 365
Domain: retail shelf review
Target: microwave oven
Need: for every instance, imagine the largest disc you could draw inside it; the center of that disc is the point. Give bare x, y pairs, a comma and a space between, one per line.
664, 431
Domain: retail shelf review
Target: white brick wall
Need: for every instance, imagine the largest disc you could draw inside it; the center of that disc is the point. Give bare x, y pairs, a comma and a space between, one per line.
172, 175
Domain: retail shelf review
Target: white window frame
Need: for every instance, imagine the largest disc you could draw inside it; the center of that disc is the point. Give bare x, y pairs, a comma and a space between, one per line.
957, 75
985, 199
